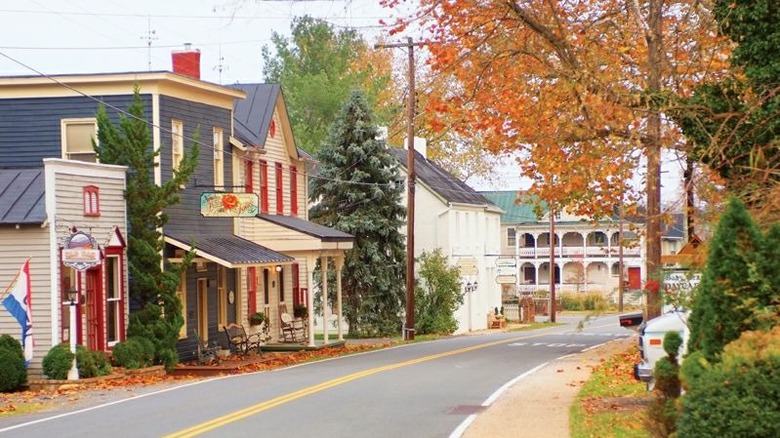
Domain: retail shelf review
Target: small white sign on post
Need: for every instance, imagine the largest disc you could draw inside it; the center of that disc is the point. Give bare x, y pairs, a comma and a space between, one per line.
505, 262
506, 279
503, 270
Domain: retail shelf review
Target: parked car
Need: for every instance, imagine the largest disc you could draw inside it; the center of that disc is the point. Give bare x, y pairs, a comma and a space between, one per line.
651, 338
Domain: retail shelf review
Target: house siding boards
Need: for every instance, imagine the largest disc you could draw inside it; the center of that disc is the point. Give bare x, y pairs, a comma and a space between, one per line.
202, 119
16, 245
30, 128
451, 216
63, 184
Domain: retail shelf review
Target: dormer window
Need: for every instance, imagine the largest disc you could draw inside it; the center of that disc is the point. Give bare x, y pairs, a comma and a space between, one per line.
91, 199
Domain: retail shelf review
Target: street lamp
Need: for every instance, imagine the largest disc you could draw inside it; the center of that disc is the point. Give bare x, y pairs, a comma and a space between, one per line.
73, 373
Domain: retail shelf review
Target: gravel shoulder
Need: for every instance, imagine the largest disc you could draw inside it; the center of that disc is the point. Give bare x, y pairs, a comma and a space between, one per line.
538, 404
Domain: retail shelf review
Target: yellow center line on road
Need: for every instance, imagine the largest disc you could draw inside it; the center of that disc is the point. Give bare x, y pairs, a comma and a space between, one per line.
260, 407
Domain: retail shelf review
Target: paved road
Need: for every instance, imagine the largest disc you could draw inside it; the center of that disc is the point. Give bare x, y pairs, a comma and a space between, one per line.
424, 390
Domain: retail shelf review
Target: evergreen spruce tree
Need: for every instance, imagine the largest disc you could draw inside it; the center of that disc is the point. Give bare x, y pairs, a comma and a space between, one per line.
732, 283
152, 288
356, 192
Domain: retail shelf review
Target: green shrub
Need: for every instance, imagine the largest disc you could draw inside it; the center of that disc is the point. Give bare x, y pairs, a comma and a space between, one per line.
13, 373
438, 294
693, 367
58, 362
662, 411
738, 397
169, 358
134, 352
91, 363
593, 301
102, 363
85, 363
128, 353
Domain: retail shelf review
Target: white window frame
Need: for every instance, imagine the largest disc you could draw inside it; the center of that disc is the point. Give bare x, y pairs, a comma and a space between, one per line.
177, 143
219, 160
64, 123
511, 237
115, 301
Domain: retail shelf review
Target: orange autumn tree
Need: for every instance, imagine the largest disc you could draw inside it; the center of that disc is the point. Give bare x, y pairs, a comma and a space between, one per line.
576, 87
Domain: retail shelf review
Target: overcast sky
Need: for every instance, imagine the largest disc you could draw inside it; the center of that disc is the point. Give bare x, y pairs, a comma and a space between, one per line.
97, 36
91, 36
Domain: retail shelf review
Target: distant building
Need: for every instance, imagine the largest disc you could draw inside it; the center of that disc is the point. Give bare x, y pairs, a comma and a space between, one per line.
587, 253
465, 225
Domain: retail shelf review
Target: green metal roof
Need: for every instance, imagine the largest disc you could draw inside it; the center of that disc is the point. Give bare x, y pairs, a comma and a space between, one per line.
518, 206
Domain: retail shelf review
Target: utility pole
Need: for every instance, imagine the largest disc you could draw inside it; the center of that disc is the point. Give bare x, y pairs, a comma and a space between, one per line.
621, 284
410, 189
552, 263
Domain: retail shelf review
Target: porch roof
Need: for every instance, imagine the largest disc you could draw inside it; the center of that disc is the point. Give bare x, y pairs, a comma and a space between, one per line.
228, 250
22, 199
325, 234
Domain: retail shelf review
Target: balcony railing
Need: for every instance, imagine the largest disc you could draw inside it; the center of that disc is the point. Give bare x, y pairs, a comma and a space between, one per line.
576, 251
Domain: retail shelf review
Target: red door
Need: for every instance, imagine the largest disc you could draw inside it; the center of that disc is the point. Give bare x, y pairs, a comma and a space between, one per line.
95, 322
634, 278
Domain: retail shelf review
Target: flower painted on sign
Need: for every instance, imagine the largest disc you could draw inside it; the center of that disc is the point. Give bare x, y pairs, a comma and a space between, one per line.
652, 287
229, 202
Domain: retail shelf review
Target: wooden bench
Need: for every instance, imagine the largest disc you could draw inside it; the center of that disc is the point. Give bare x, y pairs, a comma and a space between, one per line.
241, 342
206, 353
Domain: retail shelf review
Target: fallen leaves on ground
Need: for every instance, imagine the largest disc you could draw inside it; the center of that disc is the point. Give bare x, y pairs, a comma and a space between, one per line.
33, 401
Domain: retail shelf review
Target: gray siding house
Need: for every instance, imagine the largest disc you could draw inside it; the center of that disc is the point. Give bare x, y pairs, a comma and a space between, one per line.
43, 117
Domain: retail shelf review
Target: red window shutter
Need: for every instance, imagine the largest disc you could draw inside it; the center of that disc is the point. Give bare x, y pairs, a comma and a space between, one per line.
263, 186
249, 183
279, 191
293, 191
251, 287
296, 285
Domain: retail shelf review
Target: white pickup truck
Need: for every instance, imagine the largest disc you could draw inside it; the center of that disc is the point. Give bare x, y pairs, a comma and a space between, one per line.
651, 339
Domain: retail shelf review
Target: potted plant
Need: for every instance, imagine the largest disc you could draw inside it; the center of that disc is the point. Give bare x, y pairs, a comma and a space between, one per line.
259, 318
300, 311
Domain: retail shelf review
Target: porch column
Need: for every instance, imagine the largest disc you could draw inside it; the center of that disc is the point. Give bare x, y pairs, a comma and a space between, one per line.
311, 262
339, 260
325, 308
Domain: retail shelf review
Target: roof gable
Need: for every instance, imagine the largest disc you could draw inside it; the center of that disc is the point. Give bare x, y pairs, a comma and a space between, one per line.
441, 182
253, 115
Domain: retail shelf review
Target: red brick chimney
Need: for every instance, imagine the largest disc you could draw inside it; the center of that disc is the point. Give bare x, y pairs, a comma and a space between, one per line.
187, 61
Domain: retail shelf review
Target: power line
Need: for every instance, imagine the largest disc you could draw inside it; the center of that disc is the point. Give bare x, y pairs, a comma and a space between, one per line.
206, 146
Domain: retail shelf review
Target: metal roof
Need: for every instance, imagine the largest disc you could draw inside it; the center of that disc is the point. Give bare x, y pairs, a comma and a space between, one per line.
440, 181
518, 206
326, 234
228, 250
253, 115
22, 198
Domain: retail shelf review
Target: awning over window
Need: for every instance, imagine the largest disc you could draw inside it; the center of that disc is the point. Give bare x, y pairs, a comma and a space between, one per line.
228, 250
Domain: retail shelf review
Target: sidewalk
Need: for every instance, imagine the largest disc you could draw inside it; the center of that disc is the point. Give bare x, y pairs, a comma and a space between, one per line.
538, 404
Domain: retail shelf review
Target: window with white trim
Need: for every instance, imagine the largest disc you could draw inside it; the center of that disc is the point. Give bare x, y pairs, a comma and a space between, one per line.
177, 143
219, 159
511, 237
77, 136
114, 312
91, 200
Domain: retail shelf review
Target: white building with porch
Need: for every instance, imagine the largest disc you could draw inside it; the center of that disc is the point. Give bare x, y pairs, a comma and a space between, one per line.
588, 254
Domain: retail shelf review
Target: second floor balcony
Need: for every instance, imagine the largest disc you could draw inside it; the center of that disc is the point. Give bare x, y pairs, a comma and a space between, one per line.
577, 251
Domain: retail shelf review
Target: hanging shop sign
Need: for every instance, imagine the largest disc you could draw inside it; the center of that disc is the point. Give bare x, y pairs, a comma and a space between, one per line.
80, 251
229, 204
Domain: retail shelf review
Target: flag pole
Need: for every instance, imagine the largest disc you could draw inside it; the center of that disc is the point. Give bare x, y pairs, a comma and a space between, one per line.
13, 282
